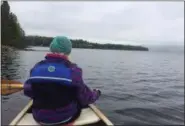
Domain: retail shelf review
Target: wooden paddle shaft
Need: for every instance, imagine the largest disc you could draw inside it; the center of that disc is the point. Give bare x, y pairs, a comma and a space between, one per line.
3, 86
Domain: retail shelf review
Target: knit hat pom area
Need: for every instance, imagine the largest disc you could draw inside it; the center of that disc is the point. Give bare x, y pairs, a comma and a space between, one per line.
61, 44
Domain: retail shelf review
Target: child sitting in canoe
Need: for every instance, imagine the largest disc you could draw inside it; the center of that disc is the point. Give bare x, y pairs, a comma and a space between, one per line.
56, 86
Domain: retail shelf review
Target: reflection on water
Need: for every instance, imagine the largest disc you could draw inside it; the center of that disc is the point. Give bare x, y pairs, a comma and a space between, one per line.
10, 69
137, 87
10, 64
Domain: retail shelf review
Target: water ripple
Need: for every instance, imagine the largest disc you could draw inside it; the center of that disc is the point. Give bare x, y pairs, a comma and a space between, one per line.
154, 116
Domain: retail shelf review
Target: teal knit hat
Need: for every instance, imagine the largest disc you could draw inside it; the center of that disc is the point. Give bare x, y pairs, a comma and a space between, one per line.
61, 44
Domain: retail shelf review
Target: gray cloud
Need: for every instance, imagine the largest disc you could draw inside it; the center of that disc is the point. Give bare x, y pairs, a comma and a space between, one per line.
114, 22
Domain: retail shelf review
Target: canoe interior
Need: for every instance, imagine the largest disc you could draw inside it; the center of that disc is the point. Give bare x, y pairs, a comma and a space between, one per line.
90, 116
100, 123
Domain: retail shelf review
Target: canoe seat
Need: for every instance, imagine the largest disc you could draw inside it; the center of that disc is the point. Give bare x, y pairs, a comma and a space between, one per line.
87, 116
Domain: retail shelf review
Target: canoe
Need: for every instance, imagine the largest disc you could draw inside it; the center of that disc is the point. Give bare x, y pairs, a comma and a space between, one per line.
90, 116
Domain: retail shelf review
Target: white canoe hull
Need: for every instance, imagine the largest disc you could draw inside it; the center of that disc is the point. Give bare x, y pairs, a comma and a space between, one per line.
88, 116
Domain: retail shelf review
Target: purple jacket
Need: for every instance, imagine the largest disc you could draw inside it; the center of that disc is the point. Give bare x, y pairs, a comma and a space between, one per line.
85, 96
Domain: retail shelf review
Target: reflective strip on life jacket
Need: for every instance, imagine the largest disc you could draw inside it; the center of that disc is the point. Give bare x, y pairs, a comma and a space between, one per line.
50, 78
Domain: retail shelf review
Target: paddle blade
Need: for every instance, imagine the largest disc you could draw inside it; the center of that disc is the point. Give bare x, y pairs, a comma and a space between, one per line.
9, 87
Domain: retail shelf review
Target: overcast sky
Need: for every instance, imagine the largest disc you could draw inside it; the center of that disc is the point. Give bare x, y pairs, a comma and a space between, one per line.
141, 23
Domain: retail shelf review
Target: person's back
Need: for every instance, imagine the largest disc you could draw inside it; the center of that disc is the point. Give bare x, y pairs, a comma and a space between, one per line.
47, 93
56, 86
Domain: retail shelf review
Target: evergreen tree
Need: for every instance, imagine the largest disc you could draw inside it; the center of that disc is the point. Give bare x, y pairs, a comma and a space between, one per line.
11, 32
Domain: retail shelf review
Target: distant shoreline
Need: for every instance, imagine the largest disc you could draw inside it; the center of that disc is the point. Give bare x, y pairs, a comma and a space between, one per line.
30, 49
132, 48
81, 44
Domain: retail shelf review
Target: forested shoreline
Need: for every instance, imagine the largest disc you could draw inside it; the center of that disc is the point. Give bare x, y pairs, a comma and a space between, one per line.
79, 43
13, 35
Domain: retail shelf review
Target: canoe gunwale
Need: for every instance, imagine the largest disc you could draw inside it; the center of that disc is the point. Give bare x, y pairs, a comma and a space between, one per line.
21, 114
101, 115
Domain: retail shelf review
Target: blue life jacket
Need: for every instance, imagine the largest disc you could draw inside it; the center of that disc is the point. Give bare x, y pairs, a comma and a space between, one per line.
52, 86
50, 71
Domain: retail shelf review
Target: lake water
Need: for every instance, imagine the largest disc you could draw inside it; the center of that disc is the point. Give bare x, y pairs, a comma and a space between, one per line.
137, 87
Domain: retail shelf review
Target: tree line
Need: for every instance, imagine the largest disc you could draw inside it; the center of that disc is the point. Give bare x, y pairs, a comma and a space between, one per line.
80, 43
13, 35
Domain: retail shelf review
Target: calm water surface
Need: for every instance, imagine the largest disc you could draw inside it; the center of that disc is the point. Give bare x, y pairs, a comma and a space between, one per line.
138, 87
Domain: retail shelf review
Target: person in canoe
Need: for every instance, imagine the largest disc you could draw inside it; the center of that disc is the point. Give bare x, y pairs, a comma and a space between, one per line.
56, 86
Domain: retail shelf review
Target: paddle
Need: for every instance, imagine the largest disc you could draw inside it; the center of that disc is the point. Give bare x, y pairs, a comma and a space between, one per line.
9, 87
